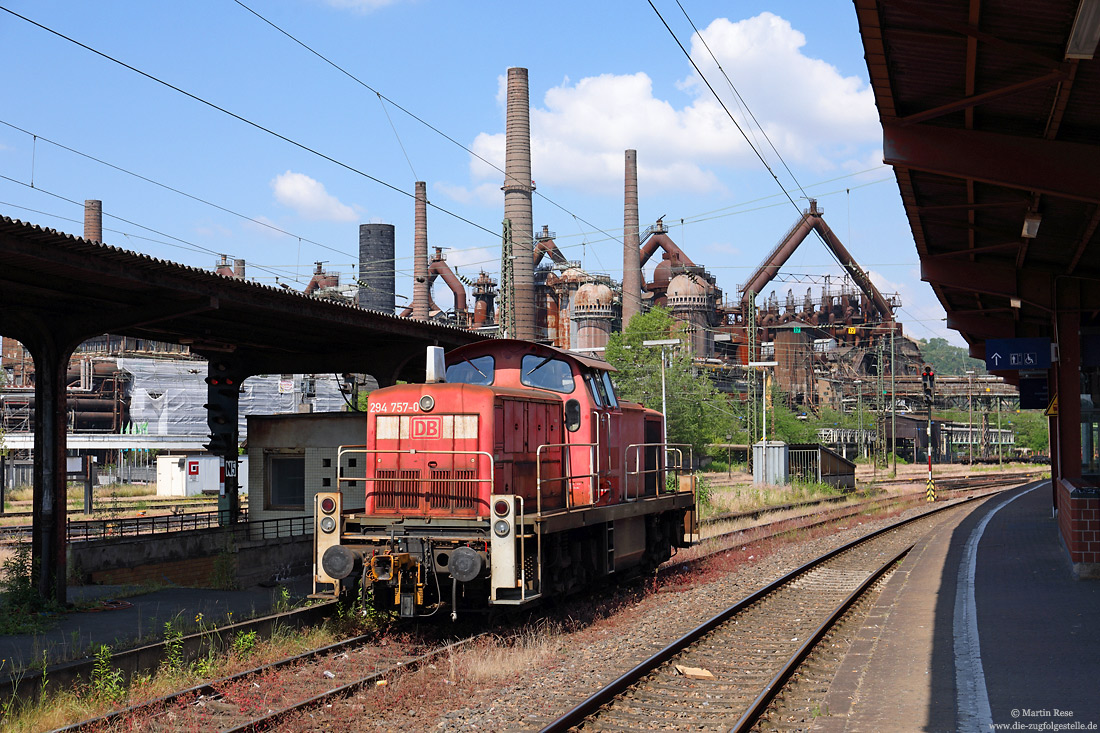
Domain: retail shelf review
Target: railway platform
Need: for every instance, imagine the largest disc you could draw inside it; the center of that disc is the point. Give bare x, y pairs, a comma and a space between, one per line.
982, 627
125, 617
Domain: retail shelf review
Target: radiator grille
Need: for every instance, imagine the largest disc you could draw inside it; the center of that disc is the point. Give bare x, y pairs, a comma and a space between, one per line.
392, 491
455, 490
409, 490
385, 490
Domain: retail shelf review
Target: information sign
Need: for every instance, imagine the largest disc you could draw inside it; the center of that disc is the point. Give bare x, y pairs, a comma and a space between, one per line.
1017, 354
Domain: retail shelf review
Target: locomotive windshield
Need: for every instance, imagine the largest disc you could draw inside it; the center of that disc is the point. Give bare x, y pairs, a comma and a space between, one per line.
478, 370
610, 389
546, 372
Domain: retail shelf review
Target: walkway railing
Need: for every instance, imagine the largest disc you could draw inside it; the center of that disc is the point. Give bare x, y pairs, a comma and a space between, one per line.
112, 529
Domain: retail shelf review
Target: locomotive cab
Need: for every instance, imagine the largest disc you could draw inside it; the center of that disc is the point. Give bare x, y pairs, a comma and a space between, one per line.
512, 473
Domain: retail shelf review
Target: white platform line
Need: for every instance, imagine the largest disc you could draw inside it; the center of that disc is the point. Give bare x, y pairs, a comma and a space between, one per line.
972, 697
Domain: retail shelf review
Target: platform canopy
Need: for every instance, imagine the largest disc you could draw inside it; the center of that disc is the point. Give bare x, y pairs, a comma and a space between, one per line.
89, 289
991, 119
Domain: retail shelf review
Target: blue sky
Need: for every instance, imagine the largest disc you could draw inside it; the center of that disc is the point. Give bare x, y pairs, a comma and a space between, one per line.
604, 77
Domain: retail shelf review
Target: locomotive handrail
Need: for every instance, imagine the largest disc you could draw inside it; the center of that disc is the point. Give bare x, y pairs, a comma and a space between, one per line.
592, 477
411, 451
665, 466
600, 415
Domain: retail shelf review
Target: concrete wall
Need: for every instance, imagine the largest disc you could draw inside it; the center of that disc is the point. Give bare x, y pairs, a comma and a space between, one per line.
223, 557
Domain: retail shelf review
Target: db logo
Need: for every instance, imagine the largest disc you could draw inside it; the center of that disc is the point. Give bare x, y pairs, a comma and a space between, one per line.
426, 428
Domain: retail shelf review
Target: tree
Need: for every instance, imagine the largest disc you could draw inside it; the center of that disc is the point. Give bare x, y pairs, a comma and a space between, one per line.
696, 413
947, 359
1031, 429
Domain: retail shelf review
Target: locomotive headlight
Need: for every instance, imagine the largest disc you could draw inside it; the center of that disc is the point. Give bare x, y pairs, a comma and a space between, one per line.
427, 402
502, 528
328, 524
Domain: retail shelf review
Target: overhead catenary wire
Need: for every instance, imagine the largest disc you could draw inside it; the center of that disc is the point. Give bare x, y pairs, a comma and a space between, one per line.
697, 218
245, 120
741, 100
723, 105
189, 245
174, 190
725, 109
431, 127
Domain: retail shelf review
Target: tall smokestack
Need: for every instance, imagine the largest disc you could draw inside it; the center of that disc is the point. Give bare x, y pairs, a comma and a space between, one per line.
376, 268
518, 188
93, 220
632, 259
420, 254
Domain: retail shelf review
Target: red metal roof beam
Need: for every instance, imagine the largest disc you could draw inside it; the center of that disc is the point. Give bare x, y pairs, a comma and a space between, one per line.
1063, 169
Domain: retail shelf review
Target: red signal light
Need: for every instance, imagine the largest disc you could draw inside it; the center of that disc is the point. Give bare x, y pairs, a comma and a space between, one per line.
500, 507
328, 505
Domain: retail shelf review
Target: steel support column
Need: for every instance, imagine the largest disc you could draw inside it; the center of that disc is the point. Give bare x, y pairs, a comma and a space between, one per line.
48, 544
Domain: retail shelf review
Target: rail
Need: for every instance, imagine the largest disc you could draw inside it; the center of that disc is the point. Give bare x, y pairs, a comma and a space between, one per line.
566, 461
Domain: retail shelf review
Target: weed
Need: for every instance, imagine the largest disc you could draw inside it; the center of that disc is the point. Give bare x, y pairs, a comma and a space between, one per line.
282, 603
45, 677
818, 710
173, 648
244, 643
22, 610
106, 680
224, 574
205, 666
703, 490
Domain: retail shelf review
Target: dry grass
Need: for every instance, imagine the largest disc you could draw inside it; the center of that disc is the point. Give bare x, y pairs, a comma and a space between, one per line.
500, 659
738, 497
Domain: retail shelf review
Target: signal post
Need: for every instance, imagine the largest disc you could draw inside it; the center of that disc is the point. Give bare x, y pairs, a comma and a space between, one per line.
928, 382
223, 394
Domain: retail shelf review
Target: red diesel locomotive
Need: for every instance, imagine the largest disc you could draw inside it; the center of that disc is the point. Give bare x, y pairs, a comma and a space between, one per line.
512, 474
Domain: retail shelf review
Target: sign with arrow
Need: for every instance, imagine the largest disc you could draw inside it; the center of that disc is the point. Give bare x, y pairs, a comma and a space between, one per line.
1016, 354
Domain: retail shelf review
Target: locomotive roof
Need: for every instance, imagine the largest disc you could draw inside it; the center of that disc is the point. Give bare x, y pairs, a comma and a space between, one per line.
490, 346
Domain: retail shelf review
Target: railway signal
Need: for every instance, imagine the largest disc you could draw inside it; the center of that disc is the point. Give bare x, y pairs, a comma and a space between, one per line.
928, 382
223, 396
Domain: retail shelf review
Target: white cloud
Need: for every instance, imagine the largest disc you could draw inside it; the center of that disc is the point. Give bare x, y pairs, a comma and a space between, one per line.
359, 6
815, 117
310, 199
485, 194
473, 260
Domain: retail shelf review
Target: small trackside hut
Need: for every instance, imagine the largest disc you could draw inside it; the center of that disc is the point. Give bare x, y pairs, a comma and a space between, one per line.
514, 473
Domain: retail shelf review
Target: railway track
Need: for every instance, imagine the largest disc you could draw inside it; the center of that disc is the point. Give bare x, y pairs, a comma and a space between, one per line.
227, 704
723, 674
259, 698
103, 506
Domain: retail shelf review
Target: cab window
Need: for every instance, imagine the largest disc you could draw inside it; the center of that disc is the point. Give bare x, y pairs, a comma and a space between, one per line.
595, 388
610, 389
478, 370
546, 372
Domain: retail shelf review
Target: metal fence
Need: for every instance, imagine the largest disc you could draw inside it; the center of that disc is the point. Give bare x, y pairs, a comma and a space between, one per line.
261, 529
819, 464
804, 465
